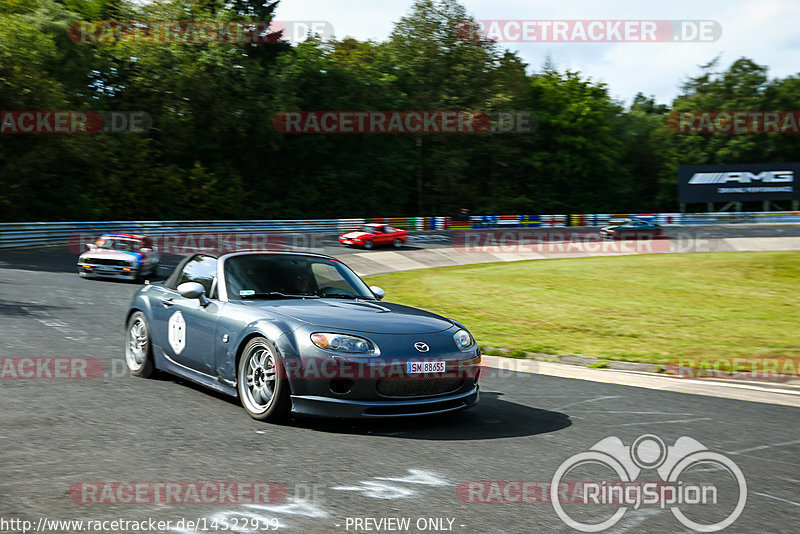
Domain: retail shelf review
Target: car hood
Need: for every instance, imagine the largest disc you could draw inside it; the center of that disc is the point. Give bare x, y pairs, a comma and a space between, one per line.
368, 316
355, 235
111, 254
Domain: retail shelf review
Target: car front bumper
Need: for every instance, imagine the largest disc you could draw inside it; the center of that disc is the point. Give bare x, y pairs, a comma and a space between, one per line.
313, 405
111, 272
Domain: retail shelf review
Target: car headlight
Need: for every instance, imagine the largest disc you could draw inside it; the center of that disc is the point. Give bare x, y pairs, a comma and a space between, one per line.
463, 339
344, 343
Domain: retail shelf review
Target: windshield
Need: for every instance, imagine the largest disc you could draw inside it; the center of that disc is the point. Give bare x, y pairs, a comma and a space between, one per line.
253, 276
369, 229
116, 243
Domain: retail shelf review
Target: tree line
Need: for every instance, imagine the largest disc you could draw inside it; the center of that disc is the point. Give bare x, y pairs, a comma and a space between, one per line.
212, 150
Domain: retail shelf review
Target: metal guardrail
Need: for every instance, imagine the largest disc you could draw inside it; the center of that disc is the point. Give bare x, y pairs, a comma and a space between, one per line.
43, 234
48, 234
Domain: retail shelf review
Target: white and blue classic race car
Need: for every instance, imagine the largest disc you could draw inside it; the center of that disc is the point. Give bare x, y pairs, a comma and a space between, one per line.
121, 257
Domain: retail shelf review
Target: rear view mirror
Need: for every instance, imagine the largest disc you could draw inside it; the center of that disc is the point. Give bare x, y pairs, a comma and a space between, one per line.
378, 292
193, 290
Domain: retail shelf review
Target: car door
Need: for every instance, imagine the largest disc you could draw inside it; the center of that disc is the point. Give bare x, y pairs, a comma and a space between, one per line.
387, 235
392, 233
188, 327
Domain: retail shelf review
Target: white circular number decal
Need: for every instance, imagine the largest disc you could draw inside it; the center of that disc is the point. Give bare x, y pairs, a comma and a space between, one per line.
177, 332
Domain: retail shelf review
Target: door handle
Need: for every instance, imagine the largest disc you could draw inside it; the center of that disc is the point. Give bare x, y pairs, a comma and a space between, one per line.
167, 302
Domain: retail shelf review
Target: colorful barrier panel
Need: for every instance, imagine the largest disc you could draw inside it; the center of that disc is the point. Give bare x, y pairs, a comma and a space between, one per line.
46, 234
597, 219
553, 221
531, 221
666, 219
577, 219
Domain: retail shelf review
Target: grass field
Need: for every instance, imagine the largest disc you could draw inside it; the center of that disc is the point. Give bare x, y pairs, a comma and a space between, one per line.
656, 308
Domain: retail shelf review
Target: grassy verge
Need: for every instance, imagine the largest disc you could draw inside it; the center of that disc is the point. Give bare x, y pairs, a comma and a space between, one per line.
657, 308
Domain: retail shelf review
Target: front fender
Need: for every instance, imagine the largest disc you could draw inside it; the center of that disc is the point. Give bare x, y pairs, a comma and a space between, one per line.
274, 329
141, 302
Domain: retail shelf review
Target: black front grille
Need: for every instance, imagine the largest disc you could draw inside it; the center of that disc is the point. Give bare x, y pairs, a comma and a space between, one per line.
417, 387
105, 261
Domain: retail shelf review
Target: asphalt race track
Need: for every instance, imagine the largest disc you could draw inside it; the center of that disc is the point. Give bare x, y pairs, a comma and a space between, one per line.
58, 435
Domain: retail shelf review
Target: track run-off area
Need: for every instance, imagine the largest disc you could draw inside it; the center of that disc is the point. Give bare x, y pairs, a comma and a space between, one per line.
79, 449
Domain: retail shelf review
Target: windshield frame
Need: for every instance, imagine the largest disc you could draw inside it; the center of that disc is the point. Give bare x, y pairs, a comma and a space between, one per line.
357, 284
112, 242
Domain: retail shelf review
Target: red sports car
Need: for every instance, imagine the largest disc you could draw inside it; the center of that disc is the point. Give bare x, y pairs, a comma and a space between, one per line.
371, 235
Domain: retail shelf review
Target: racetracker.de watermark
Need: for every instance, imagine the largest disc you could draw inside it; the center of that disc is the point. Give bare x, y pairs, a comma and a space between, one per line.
177, 493
216, 242
51, 368
734, 122
399, 371
568, 492
404, 122
590, 31
556, 242
578, 242
197, 31
770, 369
74, 122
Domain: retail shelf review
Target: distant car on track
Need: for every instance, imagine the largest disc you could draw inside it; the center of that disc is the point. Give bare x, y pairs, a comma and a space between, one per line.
631, 228
120, 257
299, 333
371, 235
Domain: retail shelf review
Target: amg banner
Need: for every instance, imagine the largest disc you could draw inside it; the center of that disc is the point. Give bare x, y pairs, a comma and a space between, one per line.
738, 183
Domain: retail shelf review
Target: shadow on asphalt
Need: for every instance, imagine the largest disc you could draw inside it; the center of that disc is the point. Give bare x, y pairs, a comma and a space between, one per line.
61, 260
491, 418
58, 260
23, 309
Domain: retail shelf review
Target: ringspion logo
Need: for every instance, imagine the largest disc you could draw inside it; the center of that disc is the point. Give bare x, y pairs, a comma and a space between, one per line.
649, 452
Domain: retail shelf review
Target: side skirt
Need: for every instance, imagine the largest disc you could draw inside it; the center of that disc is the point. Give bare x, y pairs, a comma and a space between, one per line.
164, 363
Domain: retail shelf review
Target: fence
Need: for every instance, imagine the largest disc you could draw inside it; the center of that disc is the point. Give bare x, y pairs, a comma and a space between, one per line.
42, 234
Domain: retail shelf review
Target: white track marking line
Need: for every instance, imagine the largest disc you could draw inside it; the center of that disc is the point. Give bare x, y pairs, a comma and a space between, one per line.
595, 399
762, 447
777, 498
666, 422
742, 392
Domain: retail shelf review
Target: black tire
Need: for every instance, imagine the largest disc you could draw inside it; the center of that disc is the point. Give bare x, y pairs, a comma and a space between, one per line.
141, 276
253, 381
398, 243
138, 347
368, 244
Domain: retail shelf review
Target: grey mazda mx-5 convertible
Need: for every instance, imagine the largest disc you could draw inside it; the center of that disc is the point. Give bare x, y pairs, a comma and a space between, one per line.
299, 333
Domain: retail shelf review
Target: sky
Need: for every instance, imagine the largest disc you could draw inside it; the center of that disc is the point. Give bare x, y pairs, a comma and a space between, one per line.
763, 30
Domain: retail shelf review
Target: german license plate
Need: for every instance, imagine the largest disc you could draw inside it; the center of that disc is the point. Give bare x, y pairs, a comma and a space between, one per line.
414, 368
347, 242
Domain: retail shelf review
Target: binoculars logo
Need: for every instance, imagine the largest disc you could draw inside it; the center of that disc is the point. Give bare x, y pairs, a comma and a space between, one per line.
648, 452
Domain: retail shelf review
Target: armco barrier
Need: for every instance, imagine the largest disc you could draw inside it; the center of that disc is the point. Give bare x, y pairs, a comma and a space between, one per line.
41, 234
